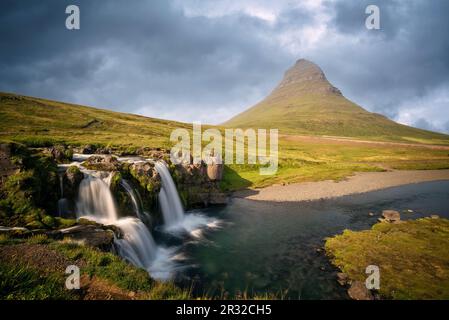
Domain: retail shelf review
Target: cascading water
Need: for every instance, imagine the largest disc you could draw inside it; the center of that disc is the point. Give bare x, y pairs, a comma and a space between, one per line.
63, 206
96, 201
169, 200
137, 245
174, 218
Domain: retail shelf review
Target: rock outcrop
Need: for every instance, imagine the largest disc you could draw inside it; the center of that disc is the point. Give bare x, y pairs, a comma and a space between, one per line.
7, 167
102, 163
391, 216
89, 233
61, 153
195, 187
71, 181
358, 291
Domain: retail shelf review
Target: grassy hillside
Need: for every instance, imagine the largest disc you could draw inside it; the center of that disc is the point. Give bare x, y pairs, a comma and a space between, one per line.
39, 122
306, 103
35, 121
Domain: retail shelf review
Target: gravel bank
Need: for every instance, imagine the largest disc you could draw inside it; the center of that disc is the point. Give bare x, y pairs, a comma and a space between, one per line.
359, 183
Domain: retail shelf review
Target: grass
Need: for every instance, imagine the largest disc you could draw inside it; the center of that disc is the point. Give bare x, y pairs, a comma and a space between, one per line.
412, 257
20, 282
303, 159
39, 122
24, 280
105, 266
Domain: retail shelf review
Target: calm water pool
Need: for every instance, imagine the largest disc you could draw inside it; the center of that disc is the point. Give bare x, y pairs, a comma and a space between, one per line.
272, 247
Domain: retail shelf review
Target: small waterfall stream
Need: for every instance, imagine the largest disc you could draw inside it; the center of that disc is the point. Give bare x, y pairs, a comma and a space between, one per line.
63, 206
95, 199
169, 200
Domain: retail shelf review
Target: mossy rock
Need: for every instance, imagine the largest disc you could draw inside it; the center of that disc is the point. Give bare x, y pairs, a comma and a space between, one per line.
411, 256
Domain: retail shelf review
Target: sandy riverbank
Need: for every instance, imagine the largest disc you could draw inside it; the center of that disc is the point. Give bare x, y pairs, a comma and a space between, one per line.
359, 183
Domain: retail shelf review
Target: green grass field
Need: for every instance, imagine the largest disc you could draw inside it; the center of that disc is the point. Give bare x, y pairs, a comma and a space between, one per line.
39, 122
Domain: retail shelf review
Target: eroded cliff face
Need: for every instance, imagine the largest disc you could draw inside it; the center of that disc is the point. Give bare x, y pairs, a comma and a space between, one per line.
198, 184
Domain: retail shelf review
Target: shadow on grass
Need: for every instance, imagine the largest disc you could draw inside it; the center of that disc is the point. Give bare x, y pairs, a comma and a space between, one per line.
232, 181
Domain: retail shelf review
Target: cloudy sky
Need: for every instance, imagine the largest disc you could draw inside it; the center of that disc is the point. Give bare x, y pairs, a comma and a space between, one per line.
207, 60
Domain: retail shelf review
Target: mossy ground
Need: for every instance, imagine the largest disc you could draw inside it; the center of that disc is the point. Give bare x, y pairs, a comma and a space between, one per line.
413, 257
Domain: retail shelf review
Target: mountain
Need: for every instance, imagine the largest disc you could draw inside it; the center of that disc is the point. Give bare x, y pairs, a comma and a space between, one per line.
305, 102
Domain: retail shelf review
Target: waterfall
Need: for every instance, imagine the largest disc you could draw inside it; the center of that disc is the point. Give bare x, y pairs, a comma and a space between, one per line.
137, 245
135, 198
61, 185
169, 200
63, 206
136, 202
96, 201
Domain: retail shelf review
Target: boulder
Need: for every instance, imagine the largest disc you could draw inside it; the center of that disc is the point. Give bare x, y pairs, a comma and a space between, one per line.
215, 168
14, 231
153, 153
103, 151
102, 163
392, 216
358, 291
61, 153
147, 176
71, 181
94, 235
215, 172
7, 167
87, 149
342, 278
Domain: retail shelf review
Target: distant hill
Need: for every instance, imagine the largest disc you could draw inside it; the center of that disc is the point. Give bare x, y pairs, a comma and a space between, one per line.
36, 121
305, 102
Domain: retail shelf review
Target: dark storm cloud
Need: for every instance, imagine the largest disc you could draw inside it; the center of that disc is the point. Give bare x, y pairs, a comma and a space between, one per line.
404, 61
152, 58
147, 54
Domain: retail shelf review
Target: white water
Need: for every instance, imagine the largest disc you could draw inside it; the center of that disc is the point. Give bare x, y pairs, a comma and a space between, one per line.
96, 202
169, 200
137, 245
175, 220
95, 199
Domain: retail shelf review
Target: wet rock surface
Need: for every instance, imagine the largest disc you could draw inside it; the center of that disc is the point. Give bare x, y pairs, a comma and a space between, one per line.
94, 235
391, 216
358, 291
71, 181
7, 167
